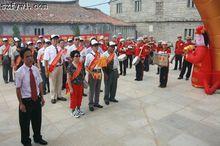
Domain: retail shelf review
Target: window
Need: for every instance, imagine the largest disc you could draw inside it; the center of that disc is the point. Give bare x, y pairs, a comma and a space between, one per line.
119, 8
189, 32
190, 4
39, 31
137, 5
159, 8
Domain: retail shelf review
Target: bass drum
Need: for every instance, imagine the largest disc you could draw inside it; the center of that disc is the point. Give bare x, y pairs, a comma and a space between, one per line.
136, 60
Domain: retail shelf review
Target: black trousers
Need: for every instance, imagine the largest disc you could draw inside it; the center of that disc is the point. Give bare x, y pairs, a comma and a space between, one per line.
164, 76
46, 84
139, 71
130, 59
178, 59
7, 69
146, 64
187, 65
111, 85
33, 114
123, 65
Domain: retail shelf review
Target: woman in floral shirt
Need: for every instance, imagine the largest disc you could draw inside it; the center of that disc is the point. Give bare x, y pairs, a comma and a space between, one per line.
75, 78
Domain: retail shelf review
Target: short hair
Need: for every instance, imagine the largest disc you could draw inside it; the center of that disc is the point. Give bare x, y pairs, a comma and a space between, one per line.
61, 40
72, 54
23, 52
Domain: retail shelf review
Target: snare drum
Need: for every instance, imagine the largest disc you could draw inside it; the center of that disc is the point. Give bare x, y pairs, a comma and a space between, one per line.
122, 57
136, 60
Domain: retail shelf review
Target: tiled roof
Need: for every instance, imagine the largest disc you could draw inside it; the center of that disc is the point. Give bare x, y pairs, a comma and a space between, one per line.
57, 13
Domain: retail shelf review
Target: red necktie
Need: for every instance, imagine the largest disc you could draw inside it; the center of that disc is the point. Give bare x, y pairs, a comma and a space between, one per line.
33, 86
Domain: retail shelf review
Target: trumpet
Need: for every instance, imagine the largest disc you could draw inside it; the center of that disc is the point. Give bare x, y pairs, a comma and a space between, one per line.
188, 48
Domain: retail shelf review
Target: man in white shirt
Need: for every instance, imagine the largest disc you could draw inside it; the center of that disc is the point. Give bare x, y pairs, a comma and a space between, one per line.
29, 90
56, 76
111, 74
5, 53
93, 69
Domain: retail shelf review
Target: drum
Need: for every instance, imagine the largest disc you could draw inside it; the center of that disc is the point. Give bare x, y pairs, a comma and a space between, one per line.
161, 59
122, 57
136, 60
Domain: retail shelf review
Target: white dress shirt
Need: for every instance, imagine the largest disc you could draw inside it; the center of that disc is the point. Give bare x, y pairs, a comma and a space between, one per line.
116, 62
3, 47
40, 53
69, 50
22, 80
50, 53
89, 50
89, 59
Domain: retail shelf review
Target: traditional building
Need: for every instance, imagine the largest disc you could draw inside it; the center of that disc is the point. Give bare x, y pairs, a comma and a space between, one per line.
46, 17
163, 19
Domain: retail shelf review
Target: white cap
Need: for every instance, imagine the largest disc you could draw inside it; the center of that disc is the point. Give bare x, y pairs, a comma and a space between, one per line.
119, 33
54, 35
16, 39
145, 37
122, 40
160, 41
128, 38
69, 40
4, 39
94, 42
111, 43
164, 43
47, 41
39, 41
81, 39
114, 36
140, 39
29, 42
179, 35
40, 36
130, 47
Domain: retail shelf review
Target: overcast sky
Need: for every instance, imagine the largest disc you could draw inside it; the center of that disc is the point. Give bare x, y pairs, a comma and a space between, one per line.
84, 3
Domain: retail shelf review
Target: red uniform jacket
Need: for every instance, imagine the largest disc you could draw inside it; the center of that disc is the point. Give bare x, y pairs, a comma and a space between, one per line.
145, 52
179, 47
121, 49
129, 51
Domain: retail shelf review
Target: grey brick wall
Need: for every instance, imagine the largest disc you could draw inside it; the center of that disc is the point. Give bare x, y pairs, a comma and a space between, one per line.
173, 18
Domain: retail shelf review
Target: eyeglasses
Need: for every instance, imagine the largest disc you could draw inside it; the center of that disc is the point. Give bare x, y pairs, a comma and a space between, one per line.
77, 55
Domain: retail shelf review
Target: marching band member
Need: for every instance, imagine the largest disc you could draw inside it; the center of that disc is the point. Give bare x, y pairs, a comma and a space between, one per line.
130, 51
186, 64
5, 54
111, 73
141, 51
122, 50
146, 60
54, 69
158, 49
94, 75
164, 70
178, 52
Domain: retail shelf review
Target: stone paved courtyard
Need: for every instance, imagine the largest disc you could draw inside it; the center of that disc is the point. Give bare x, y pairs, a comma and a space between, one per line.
146, 115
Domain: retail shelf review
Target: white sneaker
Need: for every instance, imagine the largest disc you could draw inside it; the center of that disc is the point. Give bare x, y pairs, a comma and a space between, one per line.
80, 112
75, 114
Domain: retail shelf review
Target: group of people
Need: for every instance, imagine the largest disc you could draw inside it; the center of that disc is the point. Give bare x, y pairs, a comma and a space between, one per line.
50, 65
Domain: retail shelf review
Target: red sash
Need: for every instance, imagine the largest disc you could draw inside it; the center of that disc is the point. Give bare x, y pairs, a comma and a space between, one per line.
111, 57
80, 48
75, 75
94, 62
6, 50
56, 60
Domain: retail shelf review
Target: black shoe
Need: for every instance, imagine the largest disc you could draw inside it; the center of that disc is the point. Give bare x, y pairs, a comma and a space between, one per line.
28, 144
98, 106
41, 142
107, 102
120, 74
113, 100
124, 74
101, 90
84, 94
53, 101
179, 78
136, 79
91, 108
61, 99
163, 86
6, 82
11, 80
174, 69
187, 79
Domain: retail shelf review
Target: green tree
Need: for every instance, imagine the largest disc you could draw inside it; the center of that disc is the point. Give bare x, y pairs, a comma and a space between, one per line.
76, 30
16, 31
